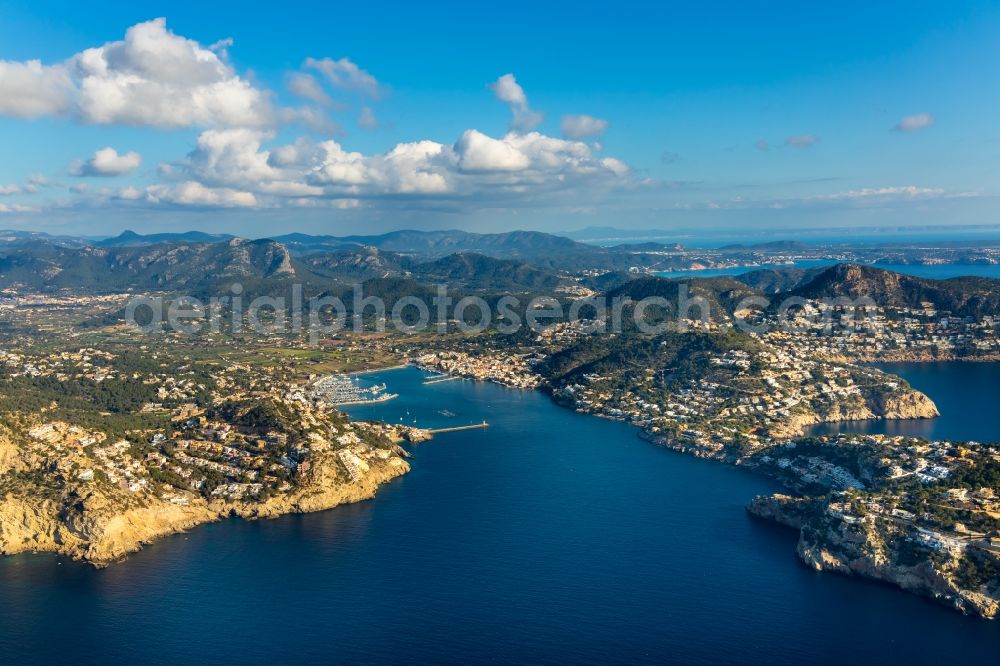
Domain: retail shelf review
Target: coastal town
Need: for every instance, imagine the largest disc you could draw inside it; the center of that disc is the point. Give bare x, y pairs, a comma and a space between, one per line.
524, 333
174, 440
911, 500
206, 425
880, 333
510, 370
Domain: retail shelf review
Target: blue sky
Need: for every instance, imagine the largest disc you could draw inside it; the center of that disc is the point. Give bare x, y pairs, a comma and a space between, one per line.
338, 118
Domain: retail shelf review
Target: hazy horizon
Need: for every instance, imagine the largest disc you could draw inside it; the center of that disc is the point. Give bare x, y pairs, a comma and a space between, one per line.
187, 115
610, 235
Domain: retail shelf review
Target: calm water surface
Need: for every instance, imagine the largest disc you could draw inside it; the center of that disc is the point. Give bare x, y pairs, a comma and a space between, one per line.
551, 536
935, 272
966, 394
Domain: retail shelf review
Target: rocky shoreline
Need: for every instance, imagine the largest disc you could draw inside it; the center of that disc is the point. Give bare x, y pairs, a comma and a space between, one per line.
871, 548
910, 356
856, 549
105, 524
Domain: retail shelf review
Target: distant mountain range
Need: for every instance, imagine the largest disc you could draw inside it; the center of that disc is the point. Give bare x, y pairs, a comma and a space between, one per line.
130, 238
611, 236
543, 250
14, 238
197, 267
410, 261
44, 266
512, 244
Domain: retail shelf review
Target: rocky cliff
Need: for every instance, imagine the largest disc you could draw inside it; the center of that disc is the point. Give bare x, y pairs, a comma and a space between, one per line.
903, 403
883, 549
104, 523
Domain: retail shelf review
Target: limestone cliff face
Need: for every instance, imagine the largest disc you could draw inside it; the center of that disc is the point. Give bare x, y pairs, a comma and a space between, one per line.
100, 532
873, 549
325, 490
907, 404
11, 457
784, 509
28, 524
861, 549
108, 523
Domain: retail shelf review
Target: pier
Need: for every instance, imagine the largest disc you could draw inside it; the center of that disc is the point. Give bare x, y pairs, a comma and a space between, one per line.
438, 380
366, 401
473, 426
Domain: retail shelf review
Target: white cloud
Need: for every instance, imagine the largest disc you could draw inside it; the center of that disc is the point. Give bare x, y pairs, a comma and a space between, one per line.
16, 208
107, 162
582, 126
221, 46
233, 157
33, 185
865, 197
306, 86
509, 91
30, 89
157, 78
902, 192
801, 141
478, 152
915, 122
367, 119
409, 168
420, 167
312, 117
130, 193
298, 153
192, 193
151, 78
516, 166
345, 75
615, 166
339, 167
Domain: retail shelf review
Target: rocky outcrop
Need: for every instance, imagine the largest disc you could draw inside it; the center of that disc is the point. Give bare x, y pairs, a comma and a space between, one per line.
107, 523
865, 548
905, 404
902, 403
100, 532
327, 488
880, 549
783, 509
10, 455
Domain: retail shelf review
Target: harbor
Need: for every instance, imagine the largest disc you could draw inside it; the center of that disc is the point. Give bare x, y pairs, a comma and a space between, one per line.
344, 390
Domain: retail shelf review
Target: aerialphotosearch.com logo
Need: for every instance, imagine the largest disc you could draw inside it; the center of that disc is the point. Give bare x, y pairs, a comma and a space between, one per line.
325, 315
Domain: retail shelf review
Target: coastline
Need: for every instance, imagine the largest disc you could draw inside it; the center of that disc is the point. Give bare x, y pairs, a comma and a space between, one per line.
106, 534
910, 357
372, 371
108, 524
813, 554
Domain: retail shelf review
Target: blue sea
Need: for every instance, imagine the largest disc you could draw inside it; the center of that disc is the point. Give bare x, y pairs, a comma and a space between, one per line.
551, 537
966, 394
933, 272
